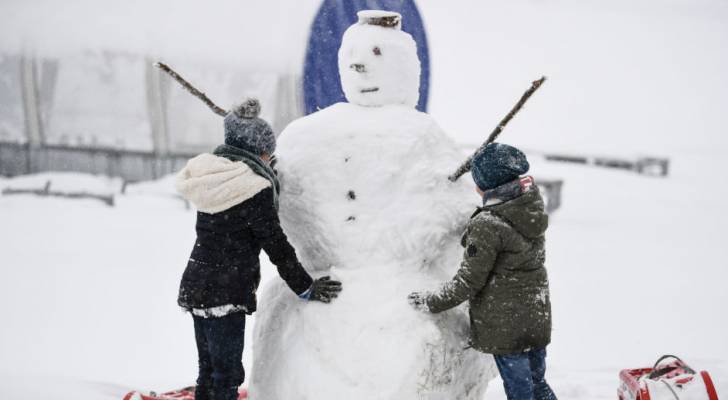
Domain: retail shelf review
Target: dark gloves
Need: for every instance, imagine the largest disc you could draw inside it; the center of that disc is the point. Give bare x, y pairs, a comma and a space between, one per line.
418, 301
324, 289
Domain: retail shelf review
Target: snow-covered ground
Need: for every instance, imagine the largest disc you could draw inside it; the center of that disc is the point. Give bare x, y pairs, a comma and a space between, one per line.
87, 291
637, 265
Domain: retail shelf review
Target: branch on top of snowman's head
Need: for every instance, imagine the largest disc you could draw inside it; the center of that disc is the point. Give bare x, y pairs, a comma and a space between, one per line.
385, 19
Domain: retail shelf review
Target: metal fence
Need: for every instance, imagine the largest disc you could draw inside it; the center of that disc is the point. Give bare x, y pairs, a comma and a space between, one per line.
22, 159
115, 114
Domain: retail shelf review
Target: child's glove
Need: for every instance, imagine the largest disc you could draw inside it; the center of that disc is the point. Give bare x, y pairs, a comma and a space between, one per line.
418, 301
324, 290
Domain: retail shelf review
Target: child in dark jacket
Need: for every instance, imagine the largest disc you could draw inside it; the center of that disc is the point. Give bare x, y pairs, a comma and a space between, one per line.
502, 274
236, 193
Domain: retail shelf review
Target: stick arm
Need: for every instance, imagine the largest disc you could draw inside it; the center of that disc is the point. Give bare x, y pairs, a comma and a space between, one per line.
193, 90
466, 165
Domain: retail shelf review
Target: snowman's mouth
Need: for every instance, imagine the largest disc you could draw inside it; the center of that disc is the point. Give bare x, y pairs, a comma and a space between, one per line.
370, 90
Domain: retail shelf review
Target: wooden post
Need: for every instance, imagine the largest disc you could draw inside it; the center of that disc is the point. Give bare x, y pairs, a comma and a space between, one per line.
157, 107
31, 108
288, 101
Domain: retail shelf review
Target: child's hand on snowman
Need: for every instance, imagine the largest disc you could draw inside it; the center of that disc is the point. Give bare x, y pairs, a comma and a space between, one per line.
418, 301
324, 290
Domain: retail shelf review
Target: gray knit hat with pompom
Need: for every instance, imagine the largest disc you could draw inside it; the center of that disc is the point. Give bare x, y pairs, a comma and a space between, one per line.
244, 130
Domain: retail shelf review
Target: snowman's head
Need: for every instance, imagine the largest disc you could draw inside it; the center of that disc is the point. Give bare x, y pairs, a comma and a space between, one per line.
378, 62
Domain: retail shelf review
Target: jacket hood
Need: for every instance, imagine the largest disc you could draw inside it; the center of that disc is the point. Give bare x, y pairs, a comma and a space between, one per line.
214, 184
525, 213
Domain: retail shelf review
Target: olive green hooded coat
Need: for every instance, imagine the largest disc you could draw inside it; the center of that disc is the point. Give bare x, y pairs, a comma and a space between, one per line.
503, 277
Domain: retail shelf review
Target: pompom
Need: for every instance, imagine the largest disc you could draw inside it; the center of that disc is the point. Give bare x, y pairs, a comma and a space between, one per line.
249, 109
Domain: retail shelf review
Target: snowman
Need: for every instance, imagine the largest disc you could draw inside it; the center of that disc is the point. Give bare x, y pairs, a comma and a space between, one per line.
365, 198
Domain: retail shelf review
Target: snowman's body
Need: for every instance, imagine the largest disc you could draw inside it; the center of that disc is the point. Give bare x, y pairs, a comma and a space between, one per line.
366, 199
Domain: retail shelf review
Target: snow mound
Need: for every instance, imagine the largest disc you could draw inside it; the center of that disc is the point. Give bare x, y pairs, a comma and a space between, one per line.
365, 198
369, 343
160, 187
65, 182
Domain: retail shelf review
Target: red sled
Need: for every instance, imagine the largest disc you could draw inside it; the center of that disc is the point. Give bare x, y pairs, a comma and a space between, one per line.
187, 393
666, 381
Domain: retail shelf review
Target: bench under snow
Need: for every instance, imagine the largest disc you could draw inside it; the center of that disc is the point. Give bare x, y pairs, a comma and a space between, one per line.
64, 184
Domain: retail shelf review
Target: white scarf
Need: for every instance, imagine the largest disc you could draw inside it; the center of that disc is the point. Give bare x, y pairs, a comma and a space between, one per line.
214, 184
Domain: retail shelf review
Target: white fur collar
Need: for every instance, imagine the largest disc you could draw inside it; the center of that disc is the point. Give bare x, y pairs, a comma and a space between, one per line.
214, 184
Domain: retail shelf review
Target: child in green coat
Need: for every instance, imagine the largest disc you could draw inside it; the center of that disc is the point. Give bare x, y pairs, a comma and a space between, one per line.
502, 275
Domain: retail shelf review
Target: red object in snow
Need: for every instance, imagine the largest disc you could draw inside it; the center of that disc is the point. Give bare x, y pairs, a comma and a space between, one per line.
665, 381
187, 393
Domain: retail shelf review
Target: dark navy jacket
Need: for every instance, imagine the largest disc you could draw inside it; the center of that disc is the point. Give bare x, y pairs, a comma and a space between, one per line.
224, 266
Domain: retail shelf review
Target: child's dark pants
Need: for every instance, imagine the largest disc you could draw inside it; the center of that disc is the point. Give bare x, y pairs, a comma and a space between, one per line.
523, 375
220, 344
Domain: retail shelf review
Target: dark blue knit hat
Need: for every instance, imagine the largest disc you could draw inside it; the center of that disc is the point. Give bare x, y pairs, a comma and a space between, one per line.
244, 130
497, 164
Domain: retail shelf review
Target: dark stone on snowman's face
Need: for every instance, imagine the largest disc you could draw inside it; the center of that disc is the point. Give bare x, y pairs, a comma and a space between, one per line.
351, 195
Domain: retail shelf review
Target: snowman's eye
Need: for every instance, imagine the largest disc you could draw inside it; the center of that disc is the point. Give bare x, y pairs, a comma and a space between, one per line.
377, 51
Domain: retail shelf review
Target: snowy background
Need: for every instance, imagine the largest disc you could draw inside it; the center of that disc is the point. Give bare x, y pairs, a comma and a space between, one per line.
637, 264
